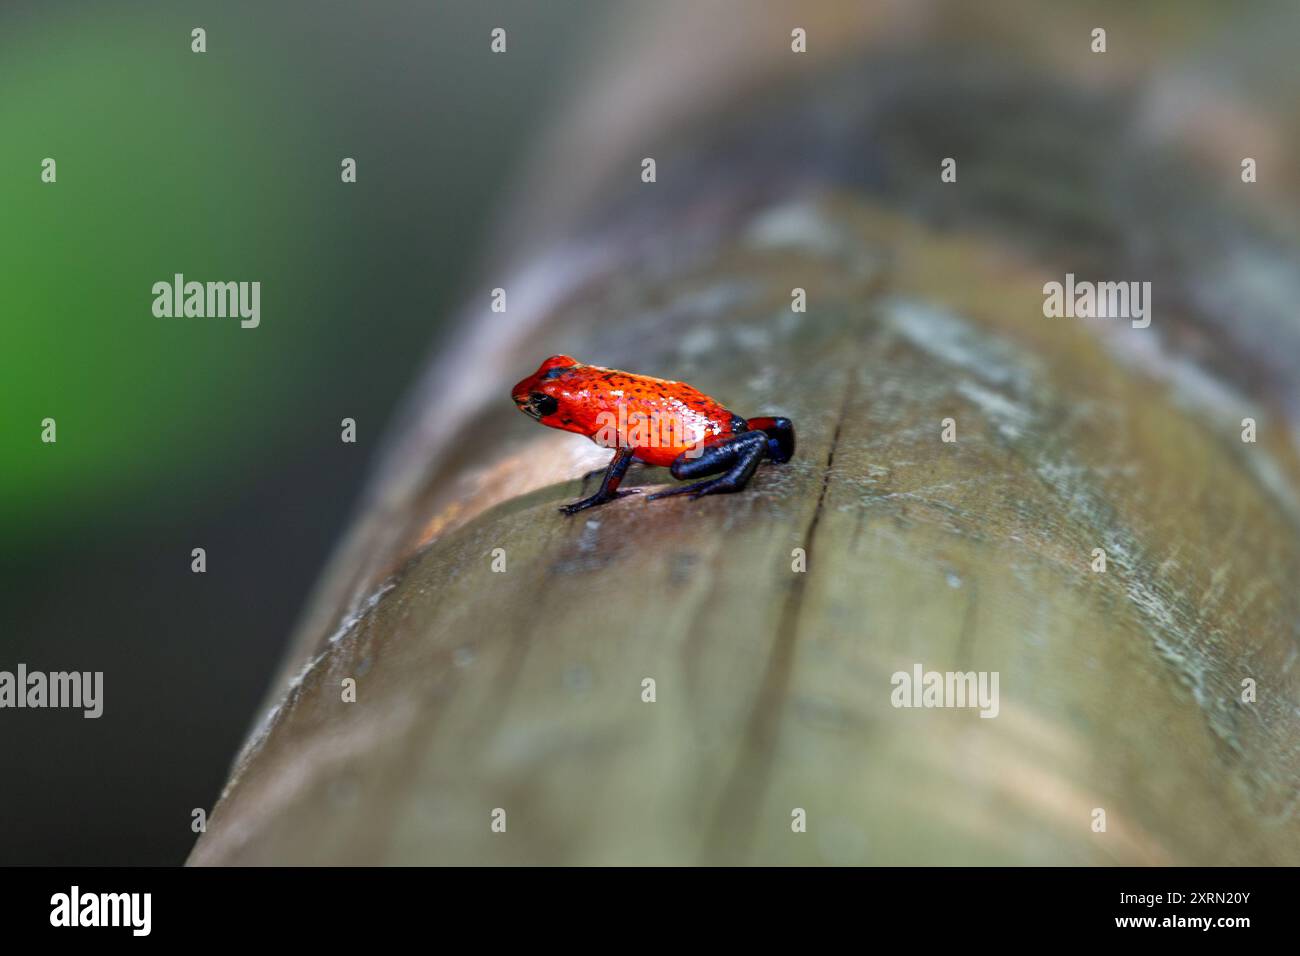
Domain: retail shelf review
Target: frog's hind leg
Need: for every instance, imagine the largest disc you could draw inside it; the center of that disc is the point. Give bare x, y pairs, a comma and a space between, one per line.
737, 456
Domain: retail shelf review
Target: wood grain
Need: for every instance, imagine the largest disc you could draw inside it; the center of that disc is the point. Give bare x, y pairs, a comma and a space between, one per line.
1120, 690
522, 690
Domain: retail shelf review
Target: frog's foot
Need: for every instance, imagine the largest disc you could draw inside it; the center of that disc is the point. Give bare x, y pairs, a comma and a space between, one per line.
598, 499
714, 486
738, 456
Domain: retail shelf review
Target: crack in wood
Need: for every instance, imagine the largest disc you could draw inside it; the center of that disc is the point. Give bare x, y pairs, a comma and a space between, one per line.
731, 834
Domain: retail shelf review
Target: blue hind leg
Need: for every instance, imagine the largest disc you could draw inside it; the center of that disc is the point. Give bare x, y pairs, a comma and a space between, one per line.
737, 456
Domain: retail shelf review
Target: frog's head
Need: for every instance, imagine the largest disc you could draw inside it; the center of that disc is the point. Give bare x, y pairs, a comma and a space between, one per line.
538, 396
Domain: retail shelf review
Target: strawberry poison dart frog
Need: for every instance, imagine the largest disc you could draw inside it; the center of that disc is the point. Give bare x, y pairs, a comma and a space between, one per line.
655, 421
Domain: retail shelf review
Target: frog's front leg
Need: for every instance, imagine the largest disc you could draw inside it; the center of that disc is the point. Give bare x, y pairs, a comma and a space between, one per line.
608, 490
738, 456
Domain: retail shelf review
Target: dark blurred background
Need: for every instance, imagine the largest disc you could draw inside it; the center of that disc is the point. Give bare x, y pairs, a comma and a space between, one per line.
183, 433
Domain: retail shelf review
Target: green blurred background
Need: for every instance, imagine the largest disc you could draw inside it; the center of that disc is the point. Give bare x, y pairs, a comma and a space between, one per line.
181, 433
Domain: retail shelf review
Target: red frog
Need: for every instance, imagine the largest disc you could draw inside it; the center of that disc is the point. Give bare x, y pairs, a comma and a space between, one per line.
655, 421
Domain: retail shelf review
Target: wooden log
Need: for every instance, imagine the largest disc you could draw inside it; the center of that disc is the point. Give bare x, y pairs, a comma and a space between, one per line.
1120, 691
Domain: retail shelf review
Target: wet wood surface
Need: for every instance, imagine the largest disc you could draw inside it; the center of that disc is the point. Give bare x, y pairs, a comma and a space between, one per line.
1120, 690
522, 690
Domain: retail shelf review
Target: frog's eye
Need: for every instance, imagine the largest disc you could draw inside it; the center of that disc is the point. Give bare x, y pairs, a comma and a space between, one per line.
542, 405
558, 371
